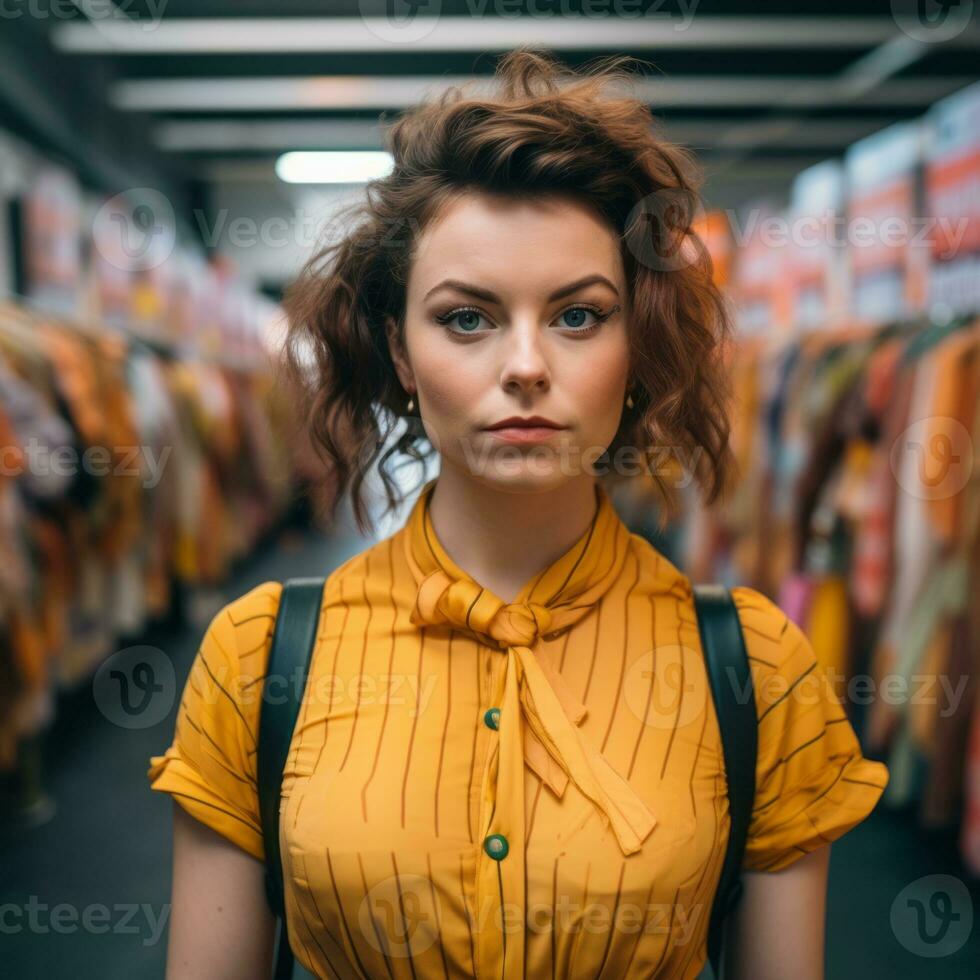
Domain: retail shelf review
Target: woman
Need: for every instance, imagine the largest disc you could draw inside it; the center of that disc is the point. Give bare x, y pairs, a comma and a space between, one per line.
507, 762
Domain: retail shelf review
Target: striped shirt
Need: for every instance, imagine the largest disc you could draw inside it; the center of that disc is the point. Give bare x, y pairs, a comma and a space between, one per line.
485, 789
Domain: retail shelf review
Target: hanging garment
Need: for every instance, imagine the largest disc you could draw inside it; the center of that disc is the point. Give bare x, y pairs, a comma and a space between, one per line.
828, 624
795, 597
970, 832
916, 554
873, 565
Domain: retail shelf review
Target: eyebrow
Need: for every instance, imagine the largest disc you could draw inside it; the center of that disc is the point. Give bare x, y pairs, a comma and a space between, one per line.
491, 297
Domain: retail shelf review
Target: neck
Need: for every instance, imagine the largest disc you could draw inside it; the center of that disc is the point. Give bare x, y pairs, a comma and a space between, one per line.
502, 538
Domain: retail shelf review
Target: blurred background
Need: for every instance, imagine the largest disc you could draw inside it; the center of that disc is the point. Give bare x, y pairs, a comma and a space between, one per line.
166, 167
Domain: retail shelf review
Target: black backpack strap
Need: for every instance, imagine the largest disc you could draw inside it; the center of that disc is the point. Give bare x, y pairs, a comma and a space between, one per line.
293, 640
734, 698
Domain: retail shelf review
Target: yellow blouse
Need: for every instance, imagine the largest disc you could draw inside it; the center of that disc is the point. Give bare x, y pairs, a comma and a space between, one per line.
415, 842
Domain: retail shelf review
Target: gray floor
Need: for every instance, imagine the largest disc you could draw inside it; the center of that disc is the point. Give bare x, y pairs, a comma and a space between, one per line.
108, 845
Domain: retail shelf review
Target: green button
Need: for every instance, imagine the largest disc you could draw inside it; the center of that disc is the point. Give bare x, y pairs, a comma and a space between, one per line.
491, 718
496, 846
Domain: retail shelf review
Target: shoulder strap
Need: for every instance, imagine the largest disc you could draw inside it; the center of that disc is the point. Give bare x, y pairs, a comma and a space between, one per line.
734, 698
289, 659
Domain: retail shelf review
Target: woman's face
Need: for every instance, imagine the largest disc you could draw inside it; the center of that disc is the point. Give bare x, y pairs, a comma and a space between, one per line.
516, 308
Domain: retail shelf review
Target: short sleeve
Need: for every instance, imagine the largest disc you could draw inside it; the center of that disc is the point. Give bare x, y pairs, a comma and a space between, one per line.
210, 767
812, 782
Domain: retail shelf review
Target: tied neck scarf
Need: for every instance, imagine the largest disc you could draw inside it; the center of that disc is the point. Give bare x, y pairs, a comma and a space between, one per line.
539, 714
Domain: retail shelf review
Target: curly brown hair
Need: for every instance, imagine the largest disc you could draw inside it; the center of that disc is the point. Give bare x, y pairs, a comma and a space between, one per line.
548, 130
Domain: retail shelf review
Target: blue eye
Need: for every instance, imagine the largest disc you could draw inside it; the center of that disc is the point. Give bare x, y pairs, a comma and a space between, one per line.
576, 324
467, 318
467, 325
577, 312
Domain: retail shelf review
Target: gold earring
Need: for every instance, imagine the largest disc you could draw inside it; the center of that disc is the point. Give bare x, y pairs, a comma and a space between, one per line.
411, 405
629, 400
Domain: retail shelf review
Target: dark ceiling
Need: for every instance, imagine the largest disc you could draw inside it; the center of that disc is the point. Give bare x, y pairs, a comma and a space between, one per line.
760, 90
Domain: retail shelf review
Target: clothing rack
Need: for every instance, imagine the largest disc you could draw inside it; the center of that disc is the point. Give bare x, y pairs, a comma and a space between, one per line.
132, 471
857, 513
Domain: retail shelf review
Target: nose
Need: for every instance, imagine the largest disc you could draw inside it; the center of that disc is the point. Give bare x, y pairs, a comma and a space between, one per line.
525, 364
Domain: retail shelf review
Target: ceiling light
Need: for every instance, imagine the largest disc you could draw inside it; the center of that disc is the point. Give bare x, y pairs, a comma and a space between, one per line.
333, 166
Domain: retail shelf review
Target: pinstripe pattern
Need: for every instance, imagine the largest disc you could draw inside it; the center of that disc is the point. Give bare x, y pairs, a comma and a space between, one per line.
393, 779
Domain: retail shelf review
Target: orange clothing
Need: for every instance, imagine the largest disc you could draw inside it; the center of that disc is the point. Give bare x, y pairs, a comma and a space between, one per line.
506, 789
828, 626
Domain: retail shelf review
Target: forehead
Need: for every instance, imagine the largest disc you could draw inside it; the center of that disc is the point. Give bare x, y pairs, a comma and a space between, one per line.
499, 242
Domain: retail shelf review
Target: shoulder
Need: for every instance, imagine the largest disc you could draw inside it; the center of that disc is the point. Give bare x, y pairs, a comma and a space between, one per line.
252, 616
239, 636
657, 574
243, 628
766, 627
781, 657
252, 610
376, 578
246, 621
235, 648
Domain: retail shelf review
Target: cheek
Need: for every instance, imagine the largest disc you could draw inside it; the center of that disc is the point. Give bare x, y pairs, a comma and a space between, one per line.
451, 385
599, 387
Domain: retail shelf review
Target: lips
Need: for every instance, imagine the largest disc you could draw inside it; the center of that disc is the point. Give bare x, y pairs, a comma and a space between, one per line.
534, 422
524, 434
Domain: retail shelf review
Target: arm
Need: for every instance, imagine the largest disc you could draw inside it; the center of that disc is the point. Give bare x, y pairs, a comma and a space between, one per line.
777, 929
221, 927
813, 784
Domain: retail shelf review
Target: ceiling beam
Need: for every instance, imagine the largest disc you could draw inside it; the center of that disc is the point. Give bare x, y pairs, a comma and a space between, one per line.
271, 134
226, 135
864, 79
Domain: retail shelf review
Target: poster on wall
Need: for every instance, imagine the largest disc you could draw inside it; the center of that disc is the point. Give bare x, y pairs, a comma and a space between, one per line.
886, 255
816, 265
185, 287
760, 284
109, 273
133, 237
48, 217
952, 185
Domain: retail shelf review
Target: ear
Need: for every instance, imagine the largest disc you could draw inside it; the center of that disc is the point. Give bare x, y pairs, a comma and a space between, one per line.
399, 355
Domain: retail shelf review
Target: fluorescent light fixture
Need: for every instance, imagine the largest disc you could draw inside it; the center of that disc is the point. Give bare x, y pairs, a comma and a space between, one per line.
307, 93
333, 166
660, 27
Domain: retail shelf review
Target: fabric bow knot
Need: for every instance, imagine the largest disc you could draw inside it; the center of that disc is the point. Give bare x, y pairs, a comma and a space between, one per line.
553, 747
441, 601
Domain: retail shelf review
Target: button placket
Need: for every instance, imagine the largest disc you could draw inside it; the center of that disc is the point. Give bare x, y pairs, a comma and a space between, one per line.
500, 867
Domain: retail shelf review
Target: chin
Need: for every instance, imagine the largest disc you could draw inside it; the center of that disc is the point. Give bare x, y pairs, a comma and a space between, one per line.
521, 469
533, 476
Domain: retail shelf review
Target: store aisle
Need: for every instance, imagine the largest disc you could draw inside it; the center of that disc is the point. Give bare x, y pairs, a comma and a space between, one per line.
109, 842
109, 846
